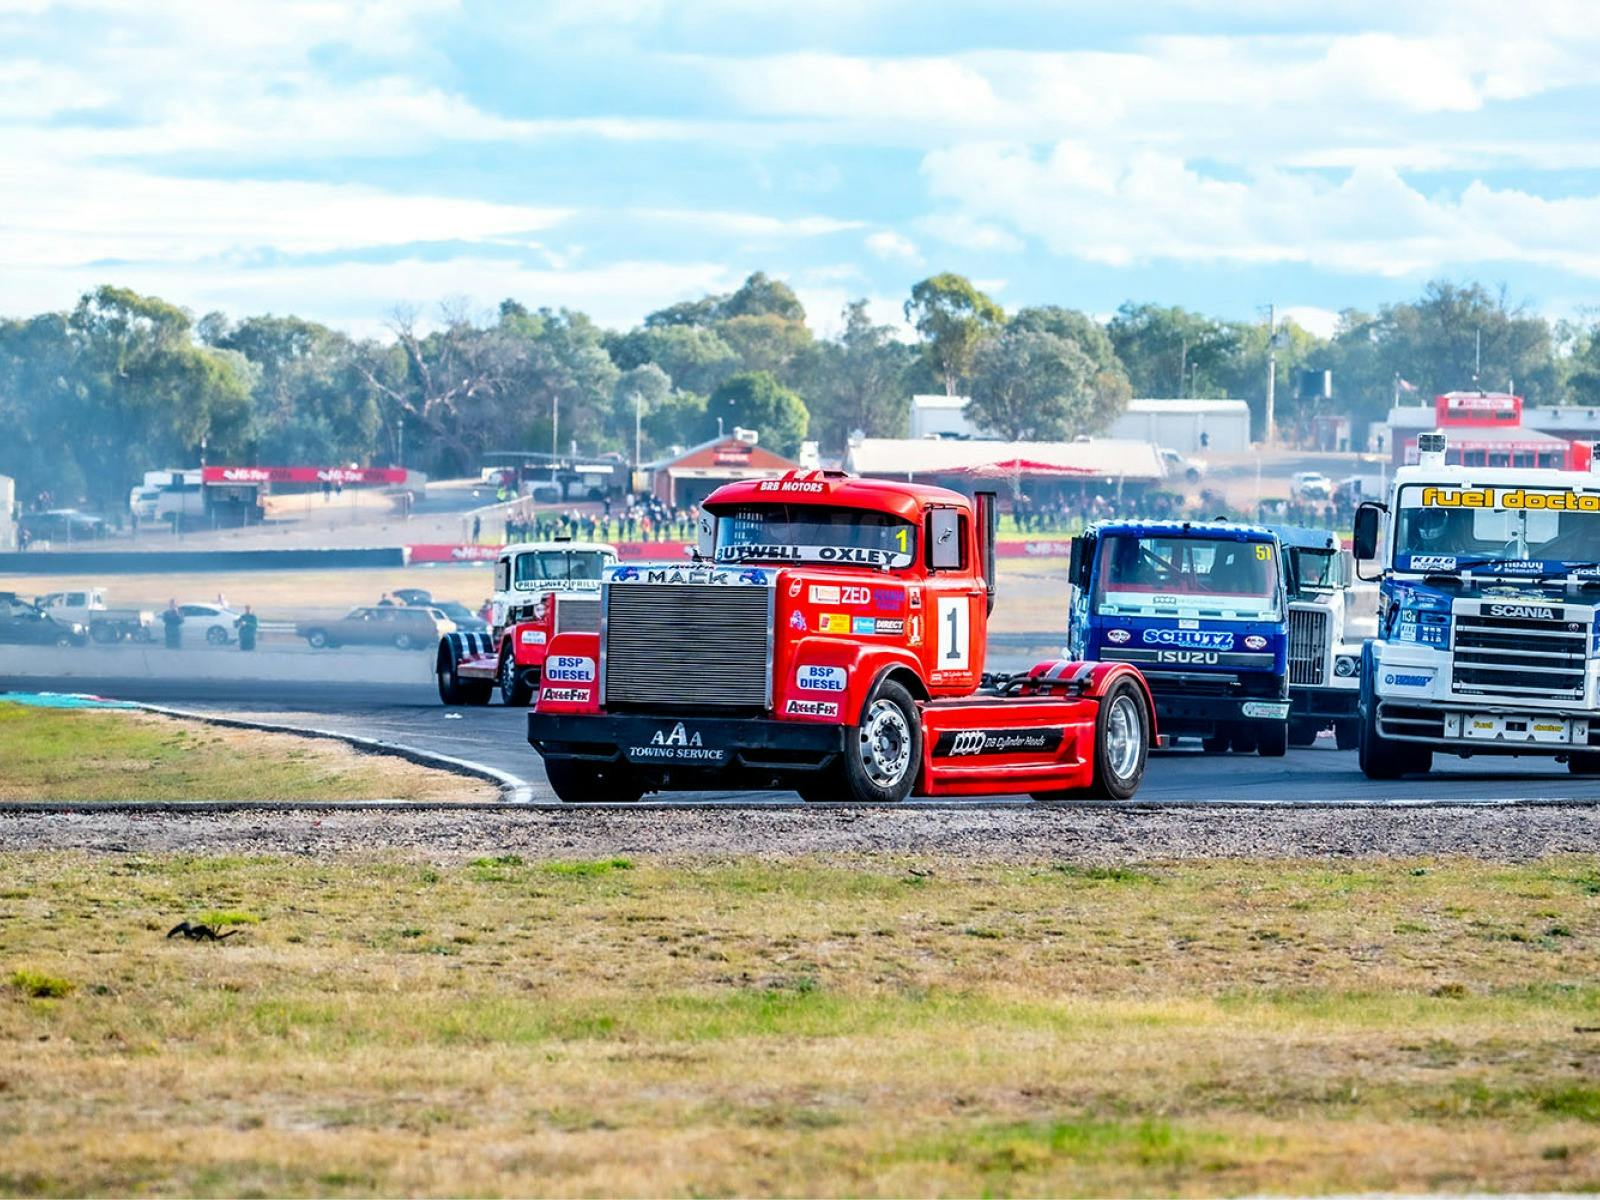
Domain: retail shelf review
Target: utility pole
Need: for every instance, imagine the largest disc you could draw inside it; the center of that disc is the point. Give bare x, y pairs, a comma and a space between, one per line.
400, 441
638, 420
555, 428
1272, 370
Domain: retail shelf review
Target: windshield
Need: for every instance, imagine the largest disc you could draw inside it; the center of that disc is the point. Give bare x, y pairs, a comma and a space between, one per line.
565, 566
1177, 575
807, 533
1490, 530
1319, 570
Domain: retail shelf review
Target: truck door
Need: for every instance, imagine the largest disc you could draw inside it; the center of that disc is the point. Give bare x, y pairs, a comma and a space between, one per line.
955, 601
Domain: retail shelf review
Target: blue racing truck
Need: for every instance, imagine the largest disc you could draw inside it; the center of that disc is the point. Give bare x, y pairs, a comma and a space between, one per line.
1201, 609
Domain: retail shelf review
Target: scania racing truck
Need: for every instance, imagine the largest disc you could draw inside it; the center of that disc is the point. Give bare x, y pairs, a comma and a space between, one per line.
1324, 668
1200, 608
541, 589
828, 637
1488, 616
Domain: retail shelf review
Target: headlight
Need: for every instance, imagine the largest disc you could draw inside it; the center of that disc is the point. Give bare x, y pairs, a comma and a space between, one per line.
1346, 665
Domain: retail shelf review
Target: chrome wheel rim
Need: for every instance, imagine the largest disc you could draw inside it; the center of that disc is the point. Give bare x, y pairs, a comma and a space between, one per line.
1124, 737
885, 744
508, 675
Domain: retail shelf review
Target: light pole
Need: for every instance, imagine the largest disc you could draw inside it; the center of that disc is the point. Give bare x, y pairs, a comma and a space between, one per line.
400, 441
1272, 369
638, 421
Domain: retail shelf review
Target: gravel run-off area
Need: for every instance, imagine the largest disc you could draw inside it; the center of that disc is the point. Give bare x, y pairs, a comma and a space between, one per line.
1079, 834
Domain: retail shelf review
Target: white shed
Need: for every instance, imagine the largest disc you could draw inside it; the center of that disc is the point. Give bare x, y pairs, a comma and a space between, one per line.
1198, 427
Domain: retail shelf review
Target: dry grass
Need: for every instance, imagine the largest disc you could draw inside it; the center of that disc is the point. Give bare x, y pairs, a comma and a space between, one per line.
58, 754
861, 1026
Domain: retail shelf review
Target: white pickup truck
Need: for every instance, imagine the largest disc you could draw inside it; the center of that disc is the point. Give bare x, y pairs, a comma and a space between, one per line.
88, 607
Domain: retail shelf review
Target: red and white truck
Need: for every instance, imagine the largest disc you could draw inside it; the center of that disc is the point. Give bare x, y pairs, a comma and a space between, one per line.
541, 589
829, 638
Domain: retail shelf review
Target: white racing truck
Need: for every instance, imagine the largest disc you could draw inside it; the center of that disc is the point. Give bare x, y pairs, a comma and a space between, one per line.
1324, 667
1488, 641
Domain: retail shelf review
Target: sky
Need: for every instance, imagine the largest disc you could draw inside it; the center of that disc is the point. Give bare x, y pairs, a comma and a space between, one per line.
343, 160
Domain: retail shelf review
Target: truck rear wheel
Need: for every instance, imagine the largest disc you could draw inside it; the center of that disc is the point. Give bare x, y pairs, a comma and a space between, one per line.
105, 633
454, 690
1216, 743
576, 782
1272, 741
1243, 739
1385, 758
515, 689
883, 753
1581, 763
1302, 733
1121, 742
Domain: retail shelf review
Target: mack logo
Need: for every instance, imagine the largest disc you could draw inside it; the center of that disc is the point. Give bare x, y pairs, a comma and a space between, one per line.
678, 737
1119, 636
1538, 612
963, 743
1202, 639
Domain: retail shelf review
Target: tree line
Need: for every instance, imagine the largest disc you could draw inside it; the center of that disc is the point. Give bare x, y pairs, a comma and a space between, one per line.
125, 383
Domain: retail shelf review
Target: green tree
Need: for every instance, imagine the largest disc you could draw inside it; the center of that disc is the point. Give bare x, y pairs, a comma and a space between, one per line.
1032, 386
755, 400
678, 421
954, 318
857, 382
760, 296
694, 357
1171, 351
1110, 385
638, 394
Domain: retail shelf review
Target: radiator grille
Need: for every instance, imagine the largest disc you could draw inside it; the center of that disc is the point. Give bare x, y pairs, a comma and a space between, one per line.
577, 615
688, 646
1308, 646
1519, 656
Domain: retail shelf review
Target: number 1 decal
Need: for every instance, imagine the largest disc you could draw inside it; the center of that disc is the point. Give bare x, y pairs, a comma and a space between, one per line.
955, 633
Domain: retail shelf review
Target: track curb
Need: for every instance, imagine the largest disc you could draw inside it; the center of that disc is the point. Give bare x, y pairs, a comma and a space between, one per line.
513, 789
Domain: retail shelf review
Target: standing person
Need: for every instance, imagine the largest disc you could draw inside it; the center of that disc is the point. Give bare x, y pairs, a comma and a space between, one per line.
173, 620
477, 528
247, 629
384, 601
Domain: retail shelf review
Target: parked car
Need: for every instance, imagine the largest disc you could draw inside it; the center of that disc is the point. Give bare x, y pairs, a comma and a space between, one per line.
466, 621
1312, 485
64, 524
90, 606
416, 597
403, 627
218, 624
24, 623
1176, 465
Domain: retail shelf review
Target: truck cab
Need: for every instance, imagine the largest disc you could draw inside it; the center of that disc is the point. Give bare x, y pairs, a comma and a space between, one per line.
1201, 609
1488, 636
828, 635
1324, 668
541, 589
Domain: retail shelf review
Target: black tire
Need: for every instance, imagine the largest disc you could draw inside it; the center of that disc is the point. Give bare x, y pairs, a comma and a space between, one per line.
1584, 763
317, 639
66, 639
821, 788
1384, 758
515, 688
1217, 743
217, 636
576, 782
1272, 741
1302, 732
402, 641
1347, 734
1118, 772
105, 633
883, 753
1243, 739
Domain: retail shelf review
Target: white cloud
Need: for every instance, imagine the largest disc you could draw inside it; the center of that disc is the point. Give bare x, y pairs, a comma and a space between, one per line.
1319, 321
894, 247
746, 224
958, 229
1150, 207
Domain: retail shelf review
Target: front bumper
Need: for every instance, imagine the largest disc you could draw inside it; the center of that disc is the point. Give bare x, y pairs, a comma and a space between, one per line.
1332, 704
1503, 728
1180, 714
695, 745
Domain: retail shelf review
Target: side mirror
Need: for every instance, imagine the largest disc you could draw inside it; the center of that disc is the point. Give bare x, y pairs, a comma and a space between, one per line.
1291, 572
1078, 564
706, 544
1365, 540
988, 514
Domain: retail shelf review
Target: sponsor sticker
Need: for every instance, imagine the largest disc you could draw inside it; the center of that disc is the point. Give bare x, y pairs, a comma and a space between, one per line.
961, 743
811, 708
790, 485
1118, 636
569, 668
820, 679
834, 623
1514, 498
677, 743
1433, 562
1255, 642
1404, 679
891, 627
1198, 639
559, 695
863, 625
797, 621
532, 637
824, 594
888, 599
914, 630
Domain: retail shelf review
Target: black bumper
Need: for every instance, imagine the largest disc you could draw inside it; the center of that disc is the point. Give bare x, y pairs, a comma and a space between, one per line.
687, 744
1177, 713
1332, 704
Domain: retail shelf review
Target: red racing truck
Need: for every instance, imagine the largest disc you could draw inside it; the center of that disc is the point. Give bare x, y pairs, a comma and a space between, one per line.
541, 589
828, 637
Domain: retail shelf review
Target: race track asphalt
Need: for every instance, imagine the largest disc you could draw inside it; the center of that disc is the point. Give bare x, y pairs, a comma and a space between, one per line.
496, 737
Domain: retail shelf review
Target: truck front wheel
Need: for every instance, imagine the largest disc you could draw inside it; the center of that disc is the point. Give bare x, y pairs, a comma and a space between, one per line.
1272, 741
576, 782
515, 688
1121, 742
1302, 732
882, 753
1385, 758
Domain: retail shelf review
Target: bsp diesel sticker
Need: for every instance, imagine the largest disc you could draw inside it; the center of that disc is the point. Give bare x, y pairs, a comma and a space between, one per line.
820, 679
569, 668
963, 743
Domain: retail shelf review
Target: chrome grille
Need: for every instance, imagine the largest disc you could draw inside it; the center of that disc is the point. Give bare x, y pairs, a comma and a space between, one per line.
1520, 656
689, 645
577, 615
1308, 645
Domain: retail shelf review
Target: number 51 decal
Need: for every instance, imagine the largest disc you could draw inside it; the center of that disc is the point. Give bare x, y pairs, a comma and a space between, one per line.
955, 633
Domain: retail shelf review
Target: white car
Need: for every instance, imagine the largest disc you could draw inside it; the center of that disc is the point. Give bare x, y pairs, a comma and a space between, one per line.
1312, 485
1176, 464
217, 623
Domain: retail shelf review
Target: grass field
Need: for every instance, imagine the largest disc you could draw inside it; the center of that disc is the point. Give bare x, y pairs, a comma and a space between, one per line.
52, 754
878, 1027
